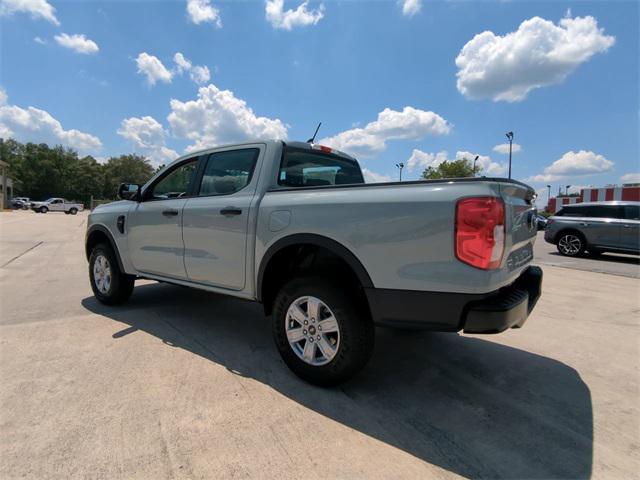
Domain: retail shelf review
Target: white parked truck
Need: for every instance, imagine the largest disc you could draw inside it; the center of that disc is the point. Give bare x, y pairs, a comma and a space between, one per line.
57, 205
294, 226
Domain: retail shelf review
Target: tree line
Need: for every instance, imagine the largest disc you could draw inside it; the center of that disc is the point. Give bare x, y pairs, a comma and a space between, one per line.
40, 172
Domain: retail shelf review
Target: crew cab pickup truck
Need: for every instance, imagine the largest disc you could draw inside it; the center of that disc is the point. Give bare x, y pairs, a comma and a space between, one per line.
294, 226
57, 205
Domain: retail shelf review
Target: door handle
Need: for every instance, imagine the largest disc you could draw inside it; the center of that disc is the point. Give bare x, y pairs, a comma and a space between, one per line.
170, 213
230, 211
584, 224
627, 226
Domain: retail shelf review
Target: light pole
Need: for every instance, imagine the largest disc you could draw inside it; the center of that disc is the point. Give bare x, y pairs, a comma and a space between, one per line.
549, 194
400, 167
474, 164
510, 137
566, 192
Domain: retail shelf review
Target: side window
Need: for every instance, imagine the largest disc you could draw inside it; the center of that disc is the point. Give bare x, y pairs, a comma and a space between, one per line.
604, 211
572, 212
176, 183
301, 168
632, 212
228, 172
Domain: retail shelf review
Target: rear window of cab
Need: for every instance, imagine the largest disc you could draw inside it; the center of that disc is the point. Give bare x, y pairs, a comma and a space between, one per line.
305, 168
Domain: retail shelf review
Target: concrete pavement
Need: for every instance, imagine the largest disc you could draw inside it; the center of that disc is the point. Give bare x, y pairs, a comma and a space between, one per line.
185, 384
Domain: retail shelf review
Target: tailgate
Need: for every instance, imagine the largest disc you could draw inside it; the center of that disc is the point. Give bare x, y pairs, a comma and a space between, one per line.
521, 228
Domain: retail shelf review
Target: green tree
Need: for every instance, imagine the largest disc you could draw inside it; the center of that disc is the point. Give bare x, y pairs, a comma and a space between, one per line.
125, 169
451, 169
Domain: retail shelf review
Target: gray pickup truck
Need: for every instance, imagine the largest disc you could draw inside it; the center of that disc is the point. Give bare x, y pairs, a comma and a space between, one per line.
294, 226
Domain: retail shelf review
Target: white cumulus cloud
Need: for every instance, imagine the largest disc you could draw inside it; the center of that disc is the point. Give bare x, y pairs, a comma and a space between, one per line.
218, 117
374, 177
484, 164
630, 178
539, 53
153, 69
504, 148
79, 43
182, 64
201, 11
411, 7
148, 138
38, 9
422, 160
34, 125
408, 124
574, 164
289, 19
198, 73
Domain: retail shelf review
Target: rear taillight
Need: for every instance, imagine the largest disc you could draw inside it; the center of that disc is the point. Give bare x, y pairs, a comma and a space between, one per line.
480, 231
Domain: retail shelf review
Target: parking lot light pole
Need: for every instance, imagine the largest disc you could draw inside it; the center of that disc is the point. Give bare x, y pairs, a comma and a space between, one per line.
510, 137
566, 192
400, 167
549, 189
474, 164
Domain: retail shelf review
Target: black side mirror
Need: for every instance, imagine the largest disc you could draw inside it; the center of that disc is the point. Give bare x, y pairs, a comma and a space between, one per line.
129, 191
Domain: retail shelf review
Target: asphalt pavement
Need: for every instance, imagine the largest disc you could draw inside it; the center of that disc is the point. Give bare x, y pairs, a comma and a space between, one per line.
180, 383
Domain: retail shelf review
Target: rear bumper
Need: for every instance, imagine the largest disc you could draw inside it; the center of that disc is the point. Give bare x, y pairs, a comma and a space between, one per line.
493, 312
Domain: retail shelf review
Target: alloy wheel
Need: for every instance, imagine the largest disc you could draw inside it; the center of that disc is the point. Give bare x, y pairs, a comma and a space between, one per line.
312, 330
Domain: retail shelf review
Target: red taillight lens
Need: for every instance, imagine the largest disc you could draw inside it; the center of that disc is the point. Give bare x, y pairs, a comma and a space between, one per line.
480, 231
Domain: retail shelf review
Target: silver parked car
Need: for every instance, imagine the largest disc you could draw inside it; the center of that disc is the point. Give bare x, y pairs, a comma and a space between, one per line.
596, 228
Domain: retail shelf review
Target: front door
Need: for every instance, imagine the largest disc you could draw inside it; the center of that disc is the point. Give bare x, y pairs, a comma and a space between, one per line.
216, 219
57, 205
154, 225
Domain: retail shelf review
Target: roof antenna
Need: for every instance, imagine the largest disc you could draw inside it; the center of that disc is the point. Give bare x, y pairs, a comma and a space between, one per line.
312, 139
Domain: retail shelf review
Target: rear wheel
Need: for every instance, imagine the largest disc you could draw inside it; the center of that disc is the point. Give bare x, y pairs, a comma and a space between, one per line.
109, 284
322, 332
44, 209
73, 211
571, 244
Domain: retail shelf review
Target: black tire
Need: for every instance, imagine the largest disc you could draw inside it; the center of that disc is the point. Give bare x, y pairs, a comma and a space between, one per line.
121, 284
356, 329
73, 211
571, 244
43, 210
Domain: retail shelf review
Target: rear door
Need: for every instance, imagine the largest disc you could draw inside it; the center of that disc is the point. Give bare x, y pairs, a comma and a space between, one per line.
601, 225
216, 219
154, 225
630, 232
57, 205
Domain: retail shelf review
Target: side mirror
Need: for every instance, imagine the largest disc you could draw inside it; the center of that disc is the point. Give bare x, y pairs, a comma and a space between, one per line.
129, 191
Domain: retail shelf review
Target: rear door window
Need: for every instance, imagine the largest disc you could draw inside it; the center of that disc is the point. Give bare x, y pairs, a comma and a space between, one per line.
228, 172
303, 168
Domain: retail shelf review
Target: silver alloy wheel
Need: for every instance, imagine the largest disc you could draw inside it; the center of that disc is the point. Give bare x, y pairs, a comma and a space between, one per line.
102, 274
570, 244
312, 331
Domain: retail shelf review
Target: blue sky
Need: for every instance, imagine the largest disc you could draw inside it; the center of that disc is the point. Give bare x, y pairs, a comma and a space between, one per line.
562, 75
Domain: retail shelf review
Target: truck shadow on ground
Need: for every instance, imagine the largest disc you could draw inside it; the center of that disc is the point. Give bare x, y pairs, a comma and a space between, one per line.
472, 406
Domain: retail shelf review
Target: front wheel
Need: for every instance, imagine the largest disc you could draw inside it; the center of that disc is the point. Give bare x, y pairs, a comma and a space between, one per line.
44, 209
323, 332
571, 244
110, 285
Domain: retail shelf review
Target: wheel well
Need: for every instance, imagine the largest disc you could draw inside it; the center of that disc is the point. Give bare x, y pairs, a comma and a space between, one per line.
306, 259
95, 238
